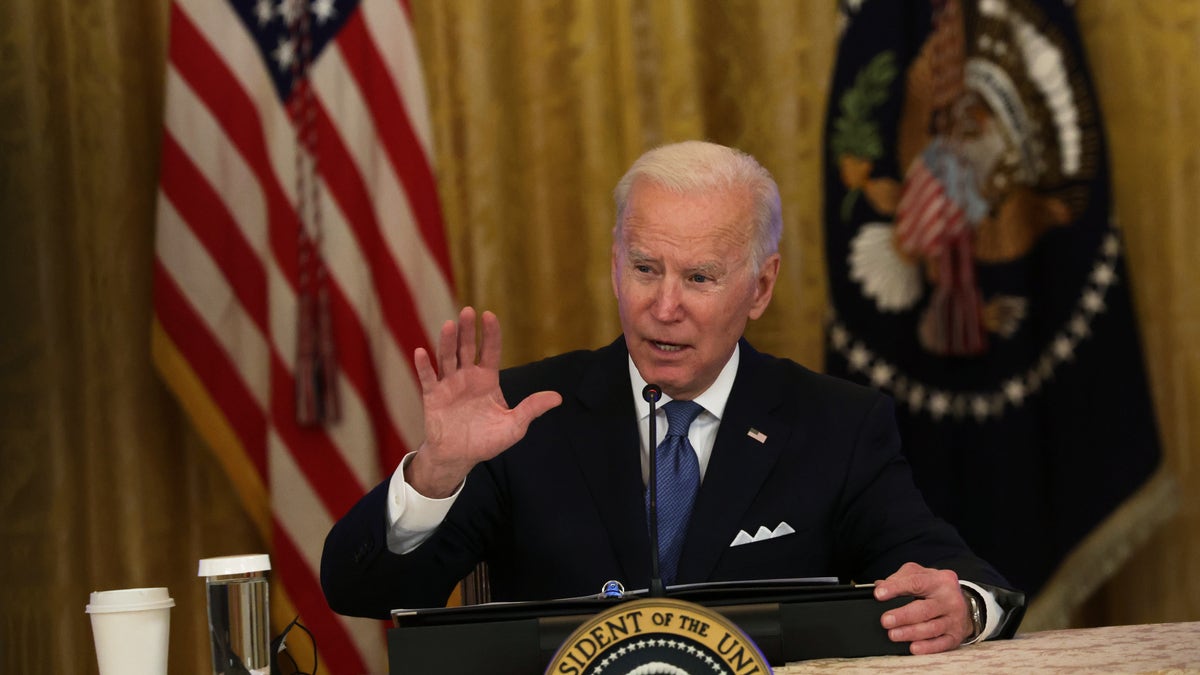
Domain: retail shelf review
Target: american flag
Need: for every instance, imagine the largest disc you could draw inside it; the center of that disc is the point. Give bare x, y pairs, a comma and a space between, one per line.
296, 165
927, 216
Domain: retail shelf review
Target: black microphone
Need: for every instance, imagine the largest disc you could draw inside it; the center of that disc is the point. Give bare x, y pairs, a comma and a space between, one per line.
653, 392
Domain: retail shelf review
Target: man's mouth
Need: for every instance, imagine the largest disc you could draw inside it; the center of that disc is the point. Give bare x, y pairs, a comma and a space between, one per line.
666, 346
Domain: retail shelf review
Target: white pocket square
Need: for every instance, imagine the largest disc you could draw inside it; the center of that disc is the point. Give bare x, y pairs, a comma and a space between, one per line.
763, 534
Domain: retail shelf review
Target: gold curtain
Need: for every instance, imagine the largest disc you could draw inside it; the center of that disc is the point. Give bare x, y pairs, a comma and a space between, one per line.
1143, 56
103, 483
538, 106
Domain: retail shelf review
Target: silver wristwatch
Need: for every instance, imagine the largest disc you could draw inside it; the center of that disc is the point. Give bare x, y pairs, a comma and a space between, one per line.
975, 609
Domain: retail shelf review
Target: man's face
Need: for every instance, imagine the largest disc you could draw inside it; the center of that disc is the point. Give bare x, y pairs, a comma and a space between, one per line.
685, 289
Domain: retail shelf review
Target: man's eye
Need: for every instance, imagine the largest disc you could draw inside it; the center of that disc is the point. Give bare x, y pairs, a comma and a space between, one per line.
699, 278
642, 269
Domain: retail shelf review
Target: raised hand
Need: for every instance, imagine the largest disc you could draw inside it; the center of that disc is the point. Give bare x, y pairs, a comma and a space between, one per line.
937, 620
467, 420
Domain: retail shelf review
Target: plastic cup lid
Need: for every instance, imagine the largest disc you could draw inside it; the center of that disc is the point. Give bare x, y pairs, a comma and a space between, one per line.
129, 600
234, 564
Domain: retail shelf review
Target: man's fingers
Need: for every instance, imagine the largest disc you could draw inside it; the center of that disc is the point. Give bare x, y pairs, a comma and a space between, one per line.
941, 643
911, 614
894, 587
916, 581
928, 634
933, 623
535, 405
489, 356
909, 585
425, 372
447, 352
466, 337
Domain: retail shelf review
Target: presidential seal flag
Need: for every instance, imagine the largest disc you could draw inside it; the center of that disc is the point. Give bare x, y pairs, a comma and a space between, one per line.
976, 275
300, 259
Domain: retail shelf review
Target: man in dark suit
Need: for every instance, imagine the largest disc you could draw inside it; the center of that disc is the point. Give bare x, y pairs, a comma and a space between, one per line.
541, 470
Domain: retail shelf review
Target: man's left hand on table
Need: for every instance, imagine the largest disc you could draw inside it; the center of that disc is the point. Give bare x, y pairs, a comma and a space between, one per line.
937, 620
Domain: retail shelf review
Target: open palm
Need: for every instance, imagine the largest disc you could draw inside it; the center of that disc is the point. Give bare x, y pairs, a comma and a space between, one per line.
467, 420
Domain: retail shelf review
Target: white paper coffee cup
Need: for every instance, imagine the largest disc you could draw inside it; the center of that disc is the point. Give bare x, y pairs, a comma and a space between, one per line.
131, 627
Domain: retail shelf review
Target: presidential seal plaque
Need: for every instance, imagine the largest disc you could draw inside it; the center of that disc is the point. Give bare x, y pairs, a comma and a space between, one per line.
658, 636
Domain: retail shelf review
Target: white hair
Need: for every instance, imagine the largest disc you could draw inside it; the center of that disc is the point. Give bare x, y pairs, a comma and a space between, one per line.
698, 166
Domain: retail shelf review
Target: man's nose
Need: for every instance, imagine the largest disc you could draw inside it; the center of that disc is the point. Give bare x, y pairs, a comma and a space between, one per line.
668, 301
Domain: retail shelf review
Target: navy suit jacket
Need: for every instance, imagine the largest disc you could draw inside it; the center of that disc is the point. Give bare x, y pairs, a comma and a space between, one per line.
563, 510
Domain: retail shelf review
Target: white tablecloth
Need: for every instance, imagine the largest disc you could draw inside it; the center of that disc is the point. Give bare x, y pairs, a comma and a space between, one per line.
1145, 648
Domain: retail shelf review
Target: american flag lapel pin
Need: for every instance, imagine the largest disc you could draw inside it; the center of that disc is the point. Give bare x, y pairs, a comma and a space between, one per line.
757, 435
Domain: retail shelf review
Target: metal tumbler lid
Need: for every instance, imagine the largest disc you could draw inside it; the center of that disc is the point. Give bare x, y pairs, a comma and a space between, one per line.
234, 564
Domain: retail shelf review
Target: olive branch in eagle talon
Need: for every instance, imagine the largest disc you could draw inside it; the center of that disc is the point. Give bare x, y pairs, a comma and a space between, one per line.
856, 141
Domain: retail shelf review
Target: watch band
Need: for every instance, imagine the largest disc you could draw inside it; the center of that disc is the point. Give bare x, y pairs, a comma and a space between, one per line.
975, 610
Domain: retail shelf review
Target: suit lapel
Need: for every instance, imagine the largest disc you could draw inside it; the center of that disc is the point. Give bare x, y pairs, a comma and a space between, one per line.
606, 445
738, 466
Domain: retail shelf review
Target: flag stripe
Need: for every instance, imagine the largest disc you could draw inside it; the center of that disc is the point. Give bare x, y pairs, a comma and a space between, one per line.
251, 144
224, 236
307, 522
342, 99
199, 135
354, 358
198, 63
393, 129
337, 649
188, 332
362, 408
389, 24
366, 357
201, 285
327, 472
360, 371
197, 202
346, 187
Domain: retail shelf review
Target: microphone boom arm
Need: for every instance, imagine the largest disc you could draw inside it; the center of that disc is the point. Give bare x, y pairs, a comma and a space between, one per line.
652, 392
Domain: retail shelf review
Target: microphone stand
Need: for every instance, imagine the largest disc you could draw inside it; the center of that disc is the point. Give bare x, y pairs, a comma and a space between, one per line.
652, 392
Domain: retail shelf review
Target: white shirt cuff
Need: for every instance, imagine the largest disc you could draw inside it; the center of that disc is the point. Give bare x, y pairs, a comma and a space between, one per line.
991, 612
412, 516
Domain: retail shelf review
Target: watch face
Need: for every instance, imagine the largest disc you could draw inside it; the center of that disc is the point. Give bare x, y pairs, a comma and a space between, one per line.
975, 611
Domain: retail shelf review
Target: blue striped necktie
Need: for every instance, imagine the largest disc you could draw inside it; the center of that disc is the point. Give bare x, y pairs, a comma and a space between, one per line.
678, 479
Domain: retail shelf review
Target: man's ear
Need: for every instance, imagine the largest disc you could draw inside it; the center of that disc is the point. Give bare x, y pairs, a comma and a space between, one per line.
613, 271
764, 286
